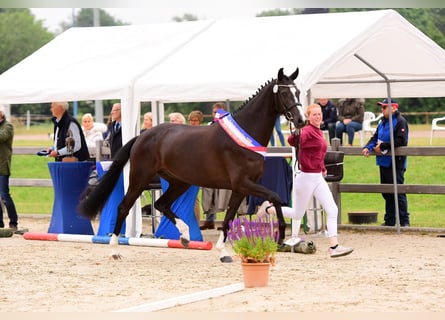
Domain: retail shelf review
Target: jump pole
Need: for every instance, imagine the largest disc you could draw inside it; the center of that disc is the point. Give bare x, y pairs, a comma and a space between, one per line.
184, 299
146, 242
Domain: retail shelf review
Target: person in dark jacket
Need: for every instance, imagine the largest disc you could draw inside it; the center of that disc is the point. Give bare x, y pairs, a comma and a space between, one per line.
351, 112
380, 144
329, 122
114, 137
66, 125
6, 137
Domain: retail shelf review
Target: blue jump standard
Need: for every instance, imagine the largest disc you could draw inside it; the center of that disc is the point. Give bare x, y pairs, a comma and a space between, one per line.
69, 180
108, 215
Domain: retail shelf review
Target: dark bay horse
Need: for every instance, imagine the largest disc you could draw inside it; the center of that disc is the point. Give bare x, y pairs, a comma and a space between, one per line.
206, 156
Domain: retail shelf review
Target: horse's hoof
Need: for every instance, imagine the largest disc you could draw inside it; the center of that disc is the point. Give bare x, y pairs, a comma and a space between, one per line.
185, 242
226, 259
115, 257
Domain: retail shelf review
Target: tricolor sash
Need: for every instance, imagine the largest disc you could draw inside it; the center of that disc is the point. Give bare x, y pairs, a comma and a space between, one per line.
241, 137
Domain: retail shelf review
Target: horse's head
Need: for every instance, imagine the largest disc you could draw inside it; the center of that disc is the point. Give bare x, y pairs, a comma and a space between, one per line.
287, 98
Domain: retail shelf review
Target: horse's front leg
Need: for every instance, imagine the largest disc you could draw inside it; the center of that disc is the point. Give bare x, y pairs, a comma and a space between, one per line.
281, 222
275, 200
262, 192
234, 203
221, 246
184, 232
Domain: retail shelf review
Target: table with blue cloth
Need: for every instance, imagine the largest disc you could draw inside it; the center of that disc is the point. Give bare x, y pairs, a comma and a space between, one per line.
69, 179
183, 207
277, 176
108, 216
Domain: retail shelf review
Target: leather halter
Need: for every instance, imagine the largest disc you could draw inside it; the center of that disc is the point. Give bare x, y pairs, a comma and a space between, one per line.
289, 117
287, 109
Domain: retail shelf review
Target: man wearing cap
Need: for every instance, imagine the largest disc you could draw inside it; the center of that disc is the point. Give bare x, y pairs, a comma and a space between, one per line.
380, 144
6, 137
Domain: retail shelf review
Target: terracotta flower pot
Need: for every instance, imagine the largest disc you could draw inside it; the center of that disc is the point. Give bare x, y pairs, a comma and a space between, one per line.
255, 274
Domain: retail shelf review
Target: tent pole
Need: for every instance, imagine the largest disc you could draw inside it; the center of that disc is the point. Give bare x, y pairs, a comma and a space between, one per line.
391, 136
393, 160
98, 111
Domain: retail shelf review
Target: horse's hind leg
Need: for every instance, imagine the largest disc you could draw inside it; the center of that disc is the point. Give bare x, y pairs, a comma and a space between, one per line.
124, 207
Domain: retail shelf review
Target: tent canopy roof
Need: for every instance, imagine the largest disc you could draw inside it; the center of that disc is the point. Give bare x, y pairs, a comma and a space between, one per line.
214, 60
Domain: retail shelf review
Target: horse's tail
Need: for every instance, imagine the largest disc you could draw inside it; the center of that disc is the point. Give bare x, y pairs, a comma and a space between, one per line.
94, 197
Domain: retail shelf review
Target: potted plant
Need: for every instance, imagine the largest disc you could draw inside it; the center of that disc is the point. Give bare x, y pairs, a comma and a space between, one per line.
255, 242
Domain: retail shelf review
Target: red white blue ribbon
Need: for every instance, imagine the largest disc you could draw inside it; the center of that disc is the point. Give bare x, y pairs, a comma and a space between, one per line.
241, 137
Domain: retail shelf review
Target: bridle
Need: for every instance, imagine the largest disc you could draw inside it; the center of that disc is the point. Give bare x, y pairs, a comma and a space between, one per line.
287, 113
289, 116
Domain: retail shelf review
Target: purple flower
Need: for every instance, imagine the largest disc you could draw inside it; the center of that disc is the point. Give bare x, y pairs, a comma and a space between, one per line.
244, 227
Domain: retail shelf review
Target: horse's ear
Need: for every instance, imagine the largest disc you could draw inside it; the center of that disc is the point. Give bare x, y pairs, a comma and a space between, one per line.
294, 75
280, 74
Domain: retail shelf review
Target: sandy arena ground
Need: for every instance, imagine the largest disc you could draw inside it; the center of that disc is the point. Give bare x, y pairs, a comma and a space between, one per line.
386, 272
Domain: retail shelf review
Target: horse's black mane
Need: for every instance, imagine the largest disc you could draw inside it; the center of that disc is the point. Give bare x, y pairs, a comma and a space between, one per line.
253, 96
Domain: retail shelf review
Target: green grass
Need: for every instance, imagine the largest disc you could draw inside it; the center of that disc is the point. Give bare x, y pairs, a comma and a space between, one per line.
32, 199
425, 210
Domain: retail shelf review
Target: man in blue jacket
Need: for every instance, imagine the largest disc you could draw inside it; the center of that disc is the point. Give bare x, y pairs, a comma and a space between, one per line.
380, 144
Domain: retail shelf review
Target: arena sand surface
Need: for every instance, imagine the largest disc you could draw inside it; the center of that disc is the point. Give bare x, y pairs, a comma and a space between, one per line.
387, 272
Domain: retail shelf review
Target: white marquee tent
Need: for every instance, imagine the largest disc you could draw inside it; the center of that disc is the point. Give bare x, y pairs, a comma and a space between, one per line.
214, 60
366, 54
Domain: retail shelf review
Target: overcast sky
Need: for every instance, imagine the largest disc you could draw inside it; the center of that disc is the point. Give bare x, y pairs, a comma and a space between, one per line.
52, 17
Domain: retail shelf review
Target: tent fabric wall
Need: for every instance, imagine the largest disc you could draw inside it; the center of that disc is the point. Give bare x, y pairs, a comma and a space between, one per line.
412, 62
223, 59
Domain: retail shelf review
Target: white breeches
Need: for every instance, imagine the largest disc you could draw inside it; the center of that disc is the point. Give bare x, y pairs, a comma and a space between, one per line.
307, 185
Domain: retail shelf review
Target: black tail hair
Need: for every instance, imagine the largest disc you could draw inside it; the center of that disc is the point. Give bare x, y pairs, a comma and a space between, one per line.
94, 197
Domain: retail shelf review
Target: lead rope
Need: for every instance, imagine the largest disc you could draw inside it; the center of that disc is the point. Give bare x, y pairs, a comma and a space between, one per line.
297, 148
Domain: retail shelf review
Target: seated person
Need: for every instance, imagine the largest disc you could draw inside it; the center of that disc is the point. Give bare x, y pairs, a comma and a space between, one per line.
350, 118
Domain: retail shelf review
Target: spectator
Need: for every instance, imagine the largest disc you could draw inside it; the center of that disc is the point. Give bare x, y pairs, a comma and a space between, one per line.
350, 118
195, 118
176, 117
6, 137
380, 144
148, 121
329, 122
114, 137
310, 181
64, 126
92, 131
